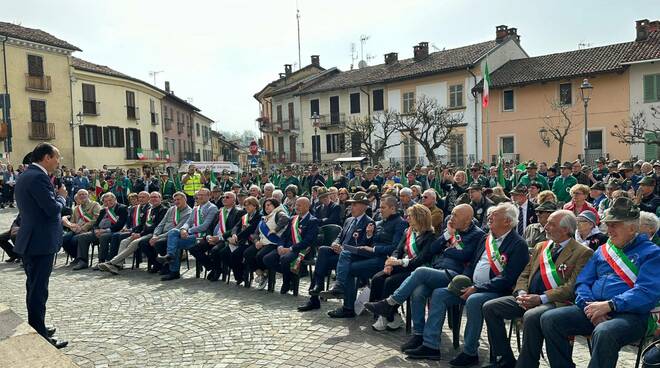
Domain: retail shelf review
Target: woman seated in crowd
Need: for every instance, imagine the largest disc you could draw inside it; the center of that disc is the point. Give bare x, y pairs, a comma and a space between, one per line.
271, 226
345, 207
545, 196
578, 204
587, 232
414, 250
241, 239
291, 193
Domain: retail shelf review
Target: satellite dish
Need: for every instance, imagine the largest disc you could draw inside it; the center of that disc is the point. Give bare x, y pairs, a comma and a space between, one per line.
362, 64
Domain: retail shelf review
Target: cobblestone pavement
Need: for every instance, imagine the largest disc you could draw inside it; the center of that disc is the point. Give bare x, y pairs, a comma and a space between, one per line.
134, 320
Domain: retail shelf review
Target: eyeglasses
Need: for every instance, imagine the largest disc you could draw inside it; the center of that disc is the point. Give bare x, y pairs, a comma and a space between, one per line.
425, 197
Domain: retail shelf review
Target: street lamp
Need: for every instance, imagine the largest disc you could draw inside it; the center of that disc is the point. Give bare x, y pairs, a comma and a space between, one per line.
585, 89
543, 133
80, 117
315, 122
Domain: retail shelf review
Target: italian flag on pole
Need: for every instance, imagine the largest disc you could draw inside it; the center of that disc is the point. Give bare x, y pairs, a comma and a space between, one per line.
140, 154
484, 94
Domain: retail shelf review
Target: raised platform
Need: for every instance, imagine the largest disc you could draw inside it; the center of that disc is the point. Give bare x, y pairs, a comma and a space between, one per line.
21, 346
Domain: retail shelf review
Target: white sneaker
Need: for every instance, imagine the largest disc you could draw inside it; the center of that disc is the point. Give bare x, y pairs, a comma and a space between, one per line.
381, 324
397, 323
262, 282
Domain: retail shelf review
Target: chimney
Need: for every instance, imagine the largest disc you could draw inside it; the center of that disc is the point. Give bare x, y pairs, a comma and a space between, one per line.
500, 33
513, 33
391, 58
167, 86
316, 61
287, 69
421, 51
644, 27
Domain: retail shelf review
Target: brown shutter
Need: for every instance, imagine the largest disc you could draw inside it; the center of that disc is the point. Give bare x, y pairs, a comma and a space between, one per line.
106, 137
35, 66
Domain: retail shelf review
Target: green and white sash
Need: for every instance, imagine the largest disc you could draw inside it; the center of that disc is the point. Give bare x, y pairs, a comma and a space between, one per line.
411, 244
150, 220
548, 270
176, 217
197, 216
495, 260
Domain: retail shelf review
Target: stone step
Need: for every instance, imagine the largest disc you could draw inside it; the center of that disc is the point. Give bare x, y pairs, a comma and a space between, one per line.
21, 346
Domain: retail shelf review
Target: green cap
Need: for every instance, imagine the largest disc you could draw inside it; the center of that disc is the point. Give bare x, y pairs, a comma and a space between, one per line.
458, 283
623, 209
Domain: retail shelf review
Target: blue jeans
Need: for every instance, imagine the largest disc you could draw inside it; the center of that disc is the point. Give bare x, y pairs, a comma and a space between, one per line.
606, 339
419, 286
350, 268
175, 244
441, 299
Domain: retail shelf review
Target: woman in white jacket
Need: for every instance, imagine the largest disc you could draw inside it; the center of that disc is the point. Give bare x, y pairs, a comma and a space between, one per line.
272, 225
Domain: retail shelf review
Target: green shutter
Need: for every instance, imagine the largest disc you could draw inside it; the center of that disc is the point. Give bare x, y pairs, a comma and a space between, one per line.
650, 94
650, 149
657, 88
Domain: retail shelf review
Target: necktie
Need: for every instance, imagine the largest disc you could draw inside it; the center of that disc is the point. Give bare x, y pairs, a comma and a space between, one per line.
351, 228
556, 249
521, 222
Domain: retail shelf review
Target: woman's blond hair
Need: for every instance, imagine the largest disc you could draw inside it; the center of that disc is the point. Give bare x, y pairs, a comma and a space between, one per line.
546, 196
421, 216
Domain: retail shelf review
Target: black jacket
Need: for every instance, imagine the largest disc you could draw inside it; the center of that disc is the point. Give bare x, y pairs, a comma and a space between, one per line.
424, 256
245, 233
330, 214
157, 215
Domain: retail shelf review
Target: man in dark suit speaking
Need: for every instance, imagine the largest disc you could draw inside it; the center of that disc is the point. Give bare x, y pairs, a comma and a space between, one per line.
40, 234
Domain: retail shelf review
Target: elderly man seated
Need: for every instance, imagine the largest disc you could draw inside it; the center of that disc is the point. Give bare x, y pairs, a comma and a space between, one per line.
186, 237
296, 240
547, 282
154, 214
174, 218
615, 291
499, 259
84, 215
649, 225
111, 219
134, 225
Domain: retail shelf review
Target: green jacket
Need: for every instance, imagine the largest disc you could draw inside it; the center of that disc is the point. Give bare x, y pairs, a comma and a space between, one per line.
285, 182
561, 187
525, 180
167, 188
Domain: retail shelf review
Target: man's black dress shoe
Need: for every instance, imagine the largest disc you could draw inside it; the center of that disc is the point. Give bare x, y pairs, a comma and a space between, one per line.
316, 290
59, 344
310, 305
50, 331
341, 312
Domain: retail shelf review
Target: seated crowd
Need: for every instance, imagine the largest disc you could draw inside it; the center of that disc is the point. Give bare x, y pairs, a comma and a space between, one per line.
565, 255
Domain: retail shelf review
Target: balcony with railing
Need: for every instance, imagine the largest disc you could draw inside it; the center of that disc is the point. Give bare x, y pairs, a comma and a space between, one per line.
151, 155
332, 120
41, 131
168, 123
187, 156
289, 125
507, 157
37, 83
265, 125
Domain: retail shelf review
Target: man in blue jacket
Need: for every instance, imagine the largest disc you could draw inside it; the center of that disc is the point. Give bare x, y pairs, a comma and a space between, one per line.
451, 252
327, 212
500, 257
366, 260
40, 234
299, 236
615, 291
354, 234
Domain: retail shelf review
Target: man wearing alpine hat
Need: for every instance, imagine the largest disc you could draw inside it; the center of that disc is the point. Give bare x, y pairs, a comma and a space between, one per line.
615, 291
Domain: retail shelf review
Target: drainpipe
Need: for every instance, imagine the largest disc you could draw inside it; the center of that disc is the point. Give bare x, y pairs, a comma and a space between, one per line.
73, 132
8, 146
476, 121
368, 114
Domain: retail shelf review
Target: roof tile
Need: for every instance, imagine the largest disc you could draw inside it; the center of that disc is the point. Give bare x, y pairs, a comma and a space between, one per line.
34, 35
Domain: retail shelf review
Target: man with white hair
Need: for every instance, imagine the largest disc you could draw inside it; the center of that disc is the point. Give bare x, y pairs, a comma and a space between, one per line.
405, 201
649, 225
429, 199
498, 260
268, 193
547, 282
615, 291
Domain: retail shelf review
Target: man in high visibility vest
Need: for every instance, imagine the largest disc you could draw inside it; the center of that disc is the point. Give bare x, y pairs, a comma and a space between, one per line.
192, 182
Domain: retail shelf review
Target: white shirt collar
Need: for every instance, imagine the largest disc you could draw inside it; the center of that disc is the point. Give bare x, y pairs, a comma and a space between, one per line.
41, 167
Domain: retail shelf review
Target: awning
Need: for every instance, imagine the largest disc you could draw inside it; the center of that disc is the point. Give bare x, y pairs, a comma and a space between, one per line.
349, 159
215, 166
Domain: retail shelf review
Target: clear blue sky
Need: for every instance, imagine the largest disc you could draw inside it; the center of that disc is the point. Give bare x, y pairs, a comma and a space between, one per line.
219, 53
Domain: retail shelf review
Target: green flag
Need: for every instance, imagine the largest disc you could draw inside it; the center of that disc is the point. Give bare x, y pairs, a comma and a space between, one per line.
214, 180
329, 182
177, 182
500, 171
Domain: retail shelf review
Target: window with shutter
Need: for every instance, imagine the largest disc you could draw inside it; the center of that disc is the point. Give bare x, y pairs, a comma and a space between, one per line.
106, 137
650, 149
652, 88
379, 104
314, 107
355, 103
38, 111
153, 137
89, 99
35, 66
98, 137
130, 105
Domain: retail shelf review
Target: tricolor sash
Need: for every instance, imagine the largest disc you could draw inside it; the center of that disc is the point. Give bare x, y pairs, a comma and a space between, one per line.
548, 270
136, 216
222, 220
176, 217
620, 263
411, 244
110, 213
84, 215
494, 258
296, 234
244, 221
150, 221
197, 216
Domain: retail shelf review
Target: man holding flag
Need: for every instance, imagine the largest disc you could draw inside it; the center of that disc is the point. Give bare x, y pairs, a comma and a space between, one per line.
547, 282
615, 291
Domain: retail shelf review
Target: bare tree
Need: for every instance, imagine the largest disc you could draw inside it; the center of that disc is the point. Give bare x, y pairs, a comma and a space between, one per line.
372, 134
636, 129
560, 125
430, 125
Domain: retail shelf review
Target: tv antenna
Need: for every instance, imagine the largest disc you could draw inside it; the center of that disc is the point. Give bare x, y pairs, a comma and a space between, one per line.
155, 73
298, 24
584, 45
363, 41
353, 54
436, 48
